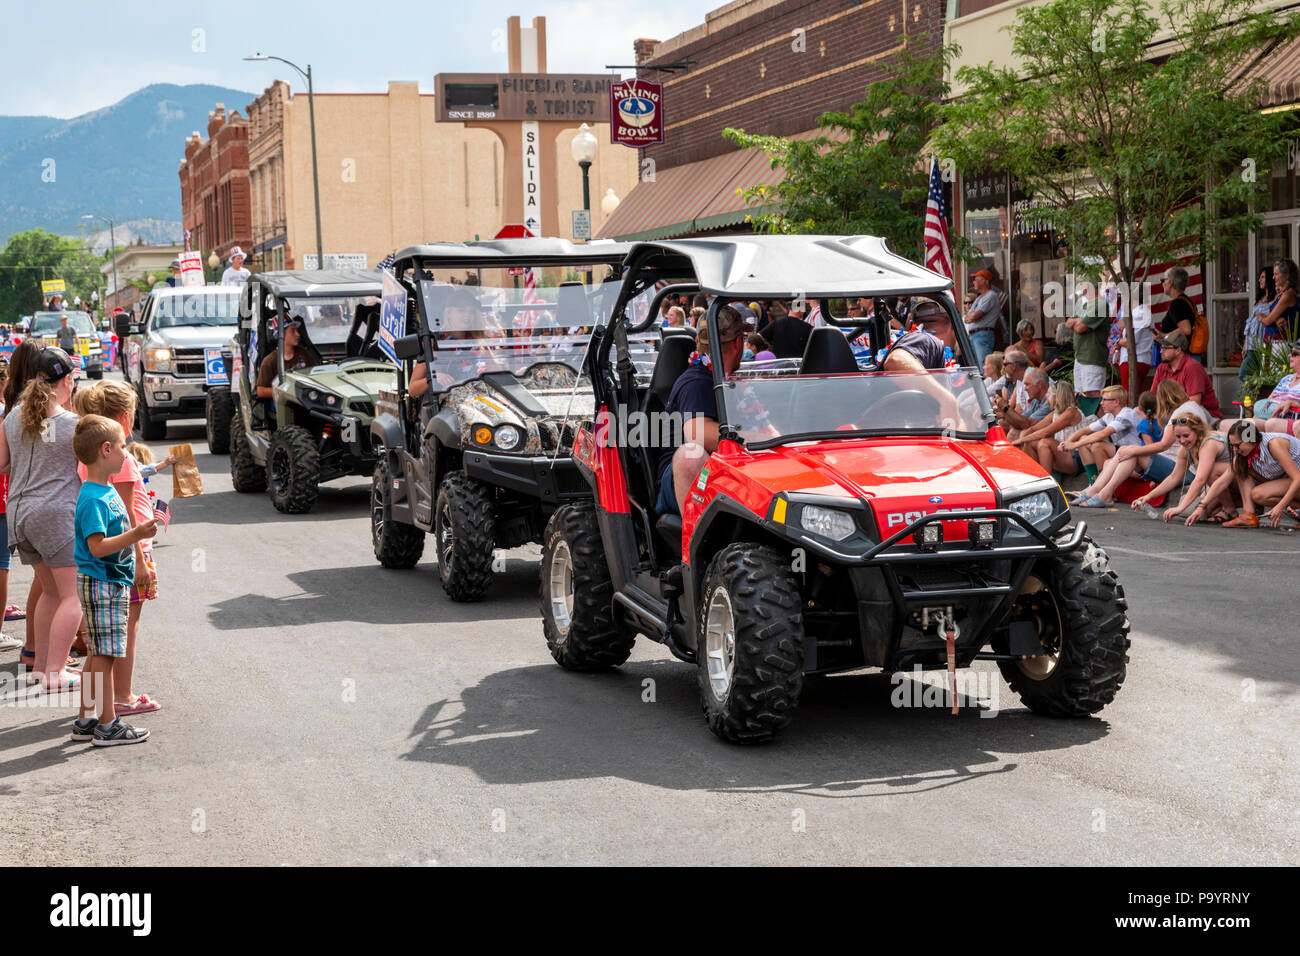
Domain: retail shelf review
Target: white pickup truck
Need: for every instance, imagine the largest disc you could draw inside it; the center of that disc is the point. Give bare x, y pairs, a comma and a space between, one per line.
173, 354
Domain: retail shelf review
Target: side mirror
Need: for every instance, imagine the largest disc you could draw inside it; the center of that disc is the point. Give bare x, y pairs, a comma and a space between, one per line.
120, 325
407, 347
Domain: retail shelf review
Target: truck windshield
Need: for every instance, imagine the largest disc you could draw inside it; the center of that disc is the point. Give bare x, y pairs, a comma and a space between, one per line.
206, 307
50, 322
769, 408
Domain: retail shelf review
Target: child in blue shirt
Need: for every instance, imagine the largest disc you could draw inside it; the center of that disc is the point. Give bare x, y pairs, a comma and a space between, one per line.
103, 548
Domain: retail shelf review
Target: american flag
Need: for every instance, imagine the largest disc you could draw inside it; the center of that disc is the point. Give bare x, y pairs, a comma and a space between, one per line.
387, 261
530, 298
1189, 260
938, 250
162, 512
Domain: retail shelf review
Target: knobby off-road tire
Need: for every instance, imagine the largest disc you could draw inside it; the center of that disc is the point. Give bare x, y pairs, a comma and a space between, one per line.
577, 594
464, 529
245, 473
220, 406
396, 545
293, 470
1078, 596
150, 428
750, 653
97, 373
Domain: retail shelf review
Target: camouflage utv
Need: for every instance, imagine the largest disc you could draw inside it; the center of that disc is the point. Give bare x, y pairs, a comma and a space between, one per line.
316, 427
481, 459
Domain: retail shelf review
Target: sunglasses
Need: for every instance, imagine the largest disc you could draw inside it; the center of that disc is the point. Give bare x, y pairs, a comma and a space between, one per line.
1295, 352
1185, 420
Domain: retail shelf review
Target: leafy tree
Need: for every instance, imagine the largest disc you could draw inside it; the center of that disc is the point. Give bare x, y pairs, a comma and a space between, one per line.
30, 256
1133, 153
870, 173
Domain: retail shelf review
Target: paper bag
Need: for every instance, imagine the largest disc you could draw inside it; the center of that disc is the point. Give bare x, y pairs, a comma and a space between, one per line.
186, 482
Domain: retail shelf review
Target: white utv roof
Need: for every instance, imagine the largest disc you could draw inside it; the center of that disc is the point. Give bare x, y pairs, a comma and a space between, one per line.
785, 266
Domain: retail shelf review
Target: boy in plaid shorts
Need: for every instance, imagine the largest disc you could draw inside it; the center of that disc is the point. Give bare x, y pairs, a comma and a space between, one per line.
103, 548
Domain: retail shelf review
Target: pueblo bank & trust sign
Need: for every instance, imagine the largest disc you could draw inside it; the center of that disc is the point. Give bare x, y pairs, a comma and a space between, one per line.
581, 97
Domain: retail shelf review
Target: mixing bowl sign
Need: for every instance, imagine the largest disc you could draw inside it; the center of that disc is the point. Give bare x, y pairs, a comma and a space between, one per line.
636, 116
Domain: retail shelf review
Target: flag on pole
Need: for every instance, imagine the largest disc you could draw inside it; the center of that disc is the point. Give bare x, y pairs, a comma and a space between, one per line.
938, 251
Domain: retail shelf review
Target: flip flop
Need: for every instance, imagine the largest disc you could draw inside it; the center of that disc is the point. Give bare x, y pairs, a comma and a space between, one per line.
143, 705
1090, 501
14, 613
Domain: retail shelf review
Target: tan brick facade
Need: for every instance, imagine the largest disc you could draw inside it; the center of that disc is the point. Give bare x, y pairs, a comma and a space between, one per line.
390, 176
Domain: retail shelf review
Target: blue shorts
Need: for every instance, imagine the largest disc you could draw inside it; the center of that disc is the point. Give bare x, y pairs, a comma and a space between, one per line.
4, 542
667, 502
1159, 468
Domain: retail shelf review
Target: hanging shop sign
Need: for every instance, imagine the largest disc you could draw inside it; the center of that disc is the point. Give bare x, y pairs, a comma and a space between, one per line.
636, 113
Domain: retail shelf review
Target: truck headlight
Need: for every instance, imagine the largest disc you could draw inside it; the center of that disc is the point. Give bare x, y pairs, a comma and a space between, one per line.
158, 360
826, 522
1033, 508
506, 437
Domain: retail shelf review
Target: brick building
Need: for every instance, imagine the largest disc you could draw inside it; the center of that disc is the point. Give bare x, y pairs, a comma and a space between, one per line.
765, 66
215, 202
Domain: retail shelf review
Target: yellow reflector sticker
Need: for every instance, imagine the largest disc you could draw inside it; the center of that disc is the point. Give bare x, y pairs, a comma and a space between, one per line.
490, 404
778, 511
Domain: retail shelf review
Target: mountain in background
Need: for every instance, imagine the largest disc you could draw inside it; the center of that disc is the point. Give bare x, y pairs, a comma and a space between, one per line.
118, 162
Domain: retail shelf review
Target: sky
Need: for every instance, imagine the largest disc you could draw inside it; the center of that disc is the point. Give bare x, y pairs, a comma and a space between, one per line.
66, 57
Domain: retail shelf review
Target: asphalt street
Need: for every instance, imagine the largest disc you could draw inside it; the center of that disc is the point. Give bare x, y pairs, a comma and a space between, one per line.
318, 709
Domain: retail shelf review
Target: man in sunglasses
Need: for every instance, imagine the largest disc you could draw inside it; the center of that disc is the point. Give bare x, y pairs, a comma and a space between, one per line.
1176, 363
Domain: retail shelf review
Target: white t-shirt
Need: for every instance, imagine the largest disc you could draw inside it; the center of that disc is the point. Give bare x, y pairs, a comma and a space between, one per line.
1191, 408
233, 276
1125, 422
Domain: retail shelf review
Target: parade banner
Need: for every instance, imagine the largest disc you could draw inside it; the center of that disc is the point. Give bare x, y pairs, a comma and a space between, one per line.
392, 315
51, 287
191, 268
636, 117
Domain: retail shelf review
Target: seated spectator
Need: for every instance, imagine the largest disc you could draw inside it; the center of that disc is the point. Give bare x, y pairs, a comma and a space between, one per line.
1098, 442
994, 381
1043, 441
1203, 455
1176, 364
1139, 459
759, 348
1028, 344
675, 318
1266, 469
1280, 412
1014, 421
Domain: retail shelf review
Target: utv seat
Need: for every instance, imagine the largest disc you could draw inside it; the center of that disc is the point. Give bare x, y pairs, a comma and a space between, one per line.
827, 353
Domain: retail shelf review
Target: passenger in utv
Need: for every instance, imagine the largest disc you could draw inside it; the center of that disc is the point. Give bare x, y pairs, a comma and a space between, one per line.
295, 357
693, 399
462, 319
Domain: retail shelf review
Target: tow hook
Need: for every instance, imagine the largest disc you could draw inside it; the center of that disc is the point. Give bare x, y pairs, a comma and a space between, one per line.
945, 625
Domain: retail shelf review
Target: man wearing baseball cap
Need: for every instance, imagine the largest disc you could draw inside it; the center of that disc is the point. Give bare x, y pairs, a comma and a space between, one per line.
1175, 363
175, 278
983, 316
236, 274
692, 399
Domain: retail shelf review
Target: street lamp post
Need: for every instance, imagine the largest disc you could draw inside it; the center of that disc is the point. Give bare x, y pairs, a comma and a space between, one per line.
315, 174
583, 148
112, 244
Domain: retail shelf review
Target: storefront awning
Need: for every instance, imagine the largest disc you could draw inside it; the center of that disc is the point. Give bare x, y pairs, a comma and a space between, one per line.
695, 197
1280, 70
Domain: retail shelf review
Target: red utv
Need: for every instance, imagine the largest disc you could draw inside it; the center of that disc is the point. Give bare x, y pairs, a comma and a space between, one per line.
850, 517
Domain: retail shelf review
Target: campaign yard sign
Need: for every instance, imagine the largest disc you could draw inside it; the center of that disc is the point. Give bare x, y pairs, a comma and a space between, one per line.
214, 370
191, 268
636, 116
392, 315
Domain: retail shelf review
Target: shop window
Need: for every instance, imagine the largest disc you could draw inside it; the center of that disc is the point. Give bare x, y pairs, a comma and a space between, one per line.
1230, 329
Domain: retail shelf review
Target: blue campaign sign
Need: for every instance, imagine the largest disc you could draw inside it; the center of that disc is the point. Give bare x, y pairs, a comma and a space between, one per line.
392, 315
214, 369
252, 370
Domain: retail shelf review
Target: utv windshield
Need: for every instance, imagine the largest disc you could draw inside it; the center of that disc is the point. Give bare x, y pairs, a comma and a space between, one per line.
512, 327
328, 319
770, 408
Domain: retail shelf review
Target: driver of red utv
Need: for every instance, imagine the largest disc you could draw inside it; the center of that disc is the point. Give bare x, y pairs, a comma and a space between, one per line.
692, 399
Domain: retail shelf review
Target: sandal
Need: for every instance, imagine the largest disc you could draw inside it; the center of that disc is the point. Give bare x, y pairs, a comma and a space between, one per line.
1090, 501
1220, 517
14, 613
143, 705
1243, 520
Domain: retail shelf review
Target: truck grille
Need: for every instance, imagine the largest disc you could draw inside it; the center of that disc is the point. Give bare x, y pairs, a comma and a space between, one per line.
190, 362
363, 408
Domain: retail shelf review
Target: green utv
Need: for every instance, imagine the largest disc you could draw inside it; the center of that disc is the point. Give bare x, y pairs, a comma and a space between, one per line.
316, 427
476, 435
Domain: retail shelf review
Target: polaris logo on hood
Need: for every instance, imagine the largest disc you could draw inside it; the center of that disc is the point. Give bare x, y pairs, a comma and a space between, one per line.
901, 519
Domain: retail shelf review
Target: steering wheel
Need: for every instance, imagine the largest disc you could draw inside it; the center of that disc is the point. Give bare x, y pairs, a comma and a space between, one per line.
910, 409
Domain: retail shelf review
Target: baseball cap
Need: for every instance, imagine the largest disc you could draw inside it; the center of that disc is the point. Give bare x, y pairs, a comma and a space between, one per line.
918, 308
176, 264
982, 274
1177, 340
53, 363
731, 323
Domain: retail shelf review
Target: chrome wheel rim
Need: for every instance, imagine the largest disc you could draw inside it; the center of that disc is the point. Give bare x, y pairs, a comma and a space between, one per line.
446, 543
1042, 610
720, 643
561, 588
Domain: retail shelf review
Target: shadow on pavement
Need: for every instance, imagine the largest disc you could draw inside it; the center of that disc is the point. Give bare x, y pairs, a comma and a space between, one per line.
52, 733
541, 724
375, 595
234, 508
